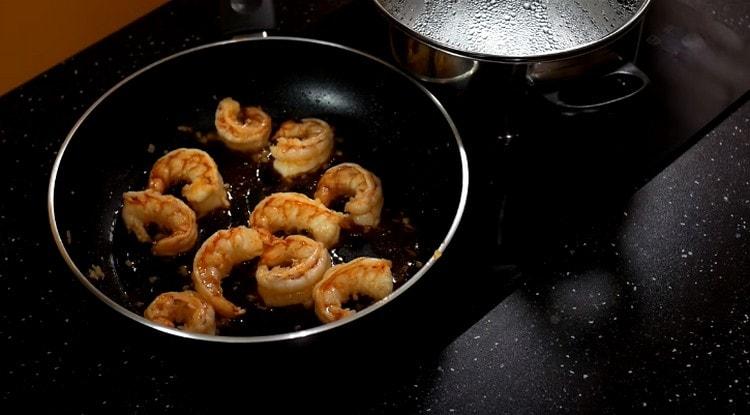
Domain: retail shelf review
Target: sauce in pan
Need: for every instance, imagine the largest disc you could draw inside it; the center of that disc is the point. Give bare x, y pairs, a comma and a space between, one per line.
143, 276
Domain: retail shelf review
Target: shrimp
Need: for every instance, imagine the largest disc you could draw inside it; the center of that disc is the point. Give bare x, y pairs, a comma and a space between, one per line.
360, 185
168, 212
297, 264
205, 190
186, 308
292, 212
245, 129
369, 276
215, 259
301, 147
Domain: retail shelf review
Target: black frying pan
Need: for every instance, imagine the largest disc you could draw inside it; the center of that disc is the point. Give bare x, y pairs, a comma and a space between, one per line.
383, 120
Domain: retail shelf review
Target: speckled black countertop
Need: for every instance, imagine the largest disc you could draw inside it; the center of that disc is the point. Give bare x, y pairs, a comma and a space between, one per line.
638, 304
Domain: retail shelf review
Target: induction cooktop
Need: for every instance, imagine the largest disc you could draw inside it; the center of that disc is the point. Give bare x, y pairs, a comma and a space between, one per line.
543, 181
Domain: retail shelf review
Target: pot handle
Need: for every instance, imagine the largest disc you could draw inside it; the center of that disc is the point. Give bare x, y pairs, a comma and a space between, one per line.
594, 94
247, 18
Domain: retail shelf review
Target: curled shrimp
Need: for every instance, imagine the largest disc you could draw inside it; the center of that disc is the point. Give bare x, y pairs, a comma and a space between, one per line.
185, 310
367, 276
215, 259
301, 147
172, 216
245, 129
293, 212
205, 189
360, 185
289, 269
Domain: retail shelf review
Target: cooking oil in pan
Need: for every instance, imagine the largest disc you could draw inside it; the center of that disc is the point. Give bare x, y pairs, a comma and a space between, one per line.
143, 276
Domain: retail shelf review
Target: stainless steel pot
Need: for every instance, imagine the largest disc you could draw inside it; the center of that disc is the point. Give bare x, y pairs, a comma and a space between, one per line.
576, 53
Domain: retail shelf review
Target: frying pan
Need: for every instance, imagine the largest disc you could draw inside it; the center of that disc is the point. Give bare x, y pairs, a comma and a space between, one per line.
383, 120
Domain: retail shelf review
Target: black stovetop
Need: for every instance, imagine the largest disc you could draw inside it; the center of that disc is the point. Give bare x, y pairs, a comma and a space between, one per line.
599, 266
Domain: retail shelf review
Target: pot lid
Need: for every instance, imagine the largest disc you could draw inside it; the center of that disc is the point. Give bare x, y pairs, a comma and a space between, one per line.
514, 30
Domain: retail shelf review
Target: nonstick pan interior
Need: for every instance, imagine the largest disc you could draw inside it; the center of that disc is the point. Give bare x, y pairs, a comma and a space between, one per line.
383, 120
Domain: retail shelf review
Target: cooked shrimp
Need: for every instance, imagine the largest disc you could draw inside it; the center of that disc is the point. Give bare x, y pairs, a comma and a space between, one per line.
185, 310
366, 276
289, 269
242, 129
302, 147
360, 185
292, 212
205, 189
171, 214
215, 259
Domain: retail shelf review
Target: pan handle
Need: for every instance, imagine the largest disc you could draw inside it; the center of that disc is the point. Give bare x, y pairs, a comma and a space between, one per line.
247, 17
591, 95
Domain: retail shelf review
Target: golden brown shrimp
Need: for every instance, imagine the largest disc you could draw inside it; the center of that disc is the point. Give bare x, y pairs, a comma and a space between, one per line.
368, 276
245, 129
205, 189
301, 147
215, 259
168, 212
360, 185
185, 310
293, 212
289, 269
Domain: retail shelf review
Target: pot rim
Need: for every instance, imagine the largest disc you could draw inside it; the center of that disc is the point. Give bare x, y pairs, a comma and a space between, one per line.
580, 49
272, 337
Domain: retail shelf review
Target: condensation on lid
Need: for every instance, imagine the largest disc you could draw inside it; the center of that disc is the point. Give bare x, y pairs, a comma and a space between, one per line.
513, 29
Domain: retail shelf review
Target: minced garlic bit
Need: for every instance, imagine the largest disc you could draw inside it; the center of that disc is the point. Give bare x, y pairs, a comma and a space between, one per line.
184, 129
407, 223
263, 156
96, 273
151, 148
183, 270
204, 138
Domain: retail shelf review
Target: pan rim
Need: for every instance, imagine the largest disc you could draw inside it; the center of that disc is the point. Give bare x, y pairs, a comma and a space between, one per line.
271, 338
